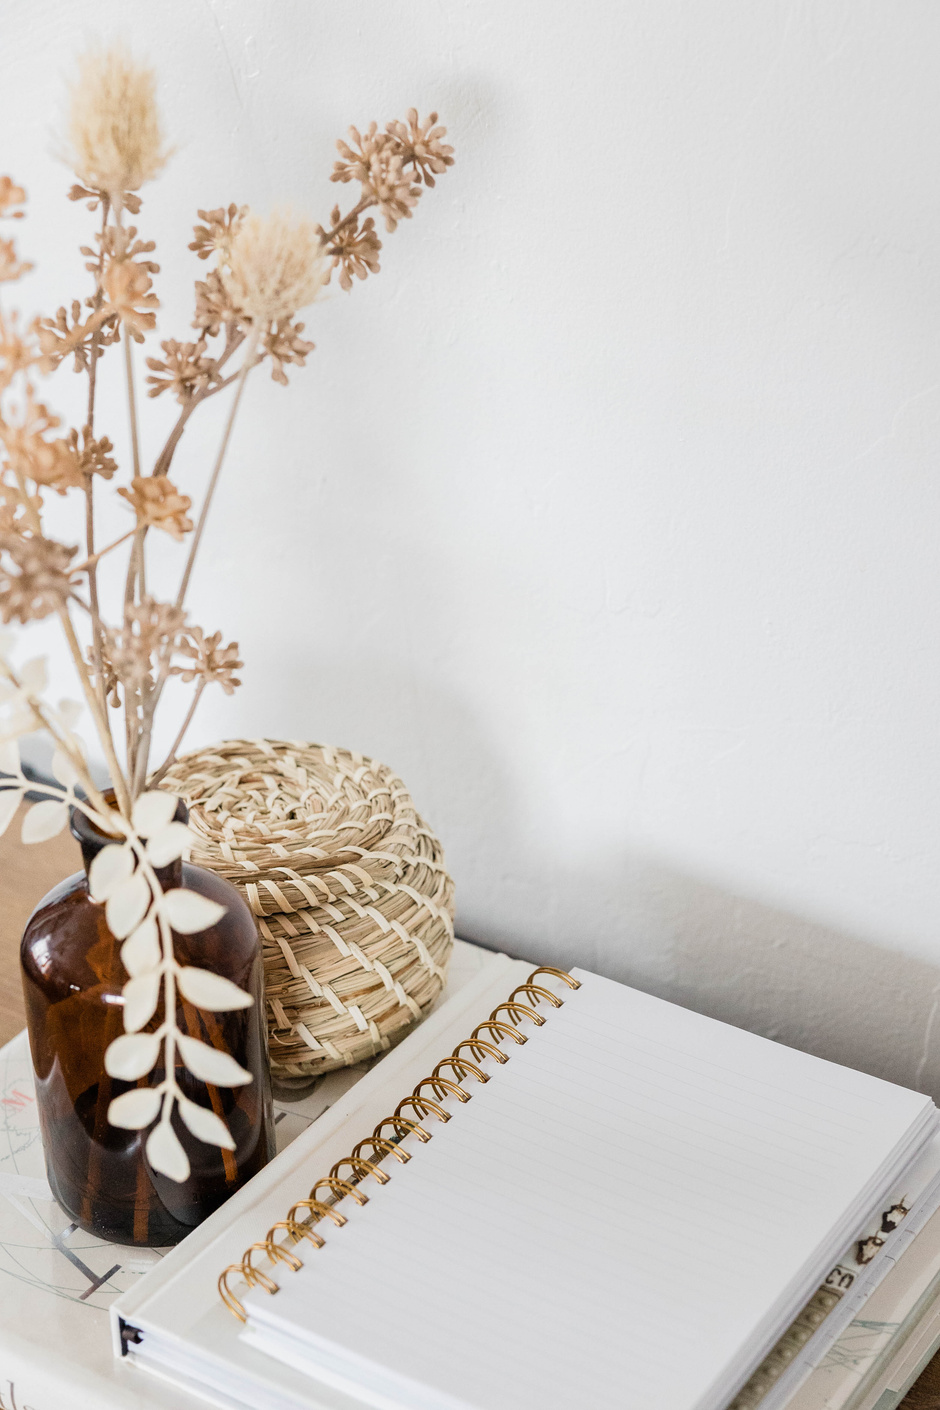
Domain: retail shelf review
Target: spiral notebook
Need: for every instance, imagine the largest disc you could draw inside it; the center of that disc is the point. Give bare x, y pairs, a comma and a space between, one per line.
628, 1210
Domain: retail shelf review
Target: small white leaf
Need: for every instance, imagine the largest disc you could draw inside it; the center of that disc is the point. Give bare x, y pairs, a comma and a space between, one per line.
63, 768
152, 812
205, 1125
210, 1065
210, 991
170, 842
141, 951
132, 1055
45, 820
112, 866
140, 1000
127, 905
165, 1153
9, 802
133, 1110
188, 912
70, 711
33, 677
9, 757
22, 719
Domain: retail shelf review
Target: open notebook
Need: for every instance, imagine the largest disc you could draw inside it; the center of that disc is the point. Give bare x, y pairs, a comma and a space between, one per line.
629, 1212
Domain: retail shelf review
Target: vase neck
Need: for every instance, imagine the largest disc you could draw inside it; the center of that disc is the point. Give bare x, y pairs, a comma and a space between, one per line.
92, 839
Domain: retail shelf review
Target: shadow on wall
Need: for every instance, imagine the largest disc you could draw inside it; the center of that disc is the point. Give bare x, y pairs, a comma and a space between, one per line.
633, 918
766, 970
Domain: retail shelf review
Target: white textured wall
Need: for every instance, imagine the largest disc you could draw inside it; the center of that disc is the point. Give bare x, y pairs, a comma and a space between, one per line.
608, 512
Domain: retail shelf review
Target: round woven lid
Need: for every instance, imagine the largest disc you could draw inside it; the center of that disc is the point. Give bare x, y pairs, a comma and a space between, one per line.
353, 900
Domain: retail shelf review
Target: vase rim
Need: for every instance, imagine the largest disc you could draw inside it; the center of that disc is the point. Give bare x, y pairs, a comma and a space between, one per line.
84, 830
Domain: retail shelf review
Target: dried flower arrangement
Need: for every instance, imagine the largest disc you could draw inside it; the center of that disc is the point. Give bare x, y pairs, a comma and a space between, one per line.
264, 271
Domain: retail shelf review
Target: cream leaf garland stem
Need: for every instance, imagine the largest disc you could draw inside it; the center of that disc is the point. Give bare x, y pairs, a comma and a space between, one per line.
134, 1051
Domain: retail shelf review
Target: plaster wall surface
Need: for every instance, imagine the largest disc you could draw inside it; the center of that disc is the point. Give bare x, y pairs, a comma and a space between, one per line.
608, 512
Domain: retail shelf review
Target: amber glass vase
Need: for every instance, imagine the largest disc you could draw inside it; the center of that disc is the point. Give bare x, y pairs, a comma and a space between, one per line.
72, 979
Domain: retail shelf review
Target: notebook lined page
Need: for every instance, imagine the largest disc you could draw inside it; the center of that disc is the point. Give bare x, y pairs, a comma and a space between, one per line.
631, 1200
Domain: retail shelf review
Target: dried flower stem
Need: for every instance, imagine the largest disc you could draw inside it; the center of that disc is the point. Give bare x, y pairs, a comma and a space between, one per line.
80, 602
90, 693
134, 567
131, 400
164, 459
95, 349
139, 771
101, 721
171, 755
364, 205
94, 353
247, 364
93, 576
90, 562
88, 690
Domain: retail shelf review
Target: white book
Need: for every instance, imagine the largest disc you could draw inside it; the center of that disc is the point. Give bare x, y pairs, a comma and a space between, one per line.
635, 1179
891, 1338
903, 1365
57, 1283
851, 1293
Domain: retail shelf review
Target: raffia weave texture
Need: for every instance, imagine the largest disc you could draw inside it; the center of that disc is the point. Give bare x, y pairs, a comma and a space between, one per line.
348, 885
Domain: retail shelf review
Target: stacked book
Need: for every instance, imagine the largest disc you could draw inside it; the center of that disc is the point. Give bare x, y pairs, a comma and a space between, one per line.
638, 1206
560, 1191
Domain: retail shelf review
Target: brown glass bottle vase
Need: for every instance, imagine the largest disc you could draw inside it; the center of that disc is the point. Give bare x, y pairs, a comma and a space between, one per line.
72, 980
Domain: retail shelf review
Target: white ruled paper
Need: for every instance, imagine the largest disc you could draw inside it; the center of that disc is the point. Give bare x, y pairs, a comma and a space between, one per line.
627, 1214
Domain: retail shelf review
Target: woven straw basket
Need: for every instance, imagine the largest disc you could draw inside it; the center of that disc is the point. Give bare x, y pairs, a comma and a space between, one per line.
348, 885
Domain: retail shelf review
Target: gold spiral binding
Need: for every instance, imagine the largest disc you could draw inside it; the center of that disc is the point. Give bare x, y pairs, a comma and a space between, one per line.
437, 1083
522, 1010
277, 1254
379, 1143
226, 1294
403, 1127
339, 1188
535, 993
460, 1066
318, 1209
357, 1163
562, 974
495, 1028
297, 1231
302, 1216
476, 1045
427, 1103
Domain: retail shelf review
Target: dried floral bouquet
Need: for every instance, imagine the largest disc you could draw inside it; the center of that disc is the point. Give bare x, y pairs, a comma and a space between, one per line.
264, 271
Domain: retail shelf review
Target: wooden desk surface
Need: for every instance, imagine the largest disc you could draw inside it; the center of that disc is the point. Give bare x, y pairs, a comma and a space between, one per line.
27, 873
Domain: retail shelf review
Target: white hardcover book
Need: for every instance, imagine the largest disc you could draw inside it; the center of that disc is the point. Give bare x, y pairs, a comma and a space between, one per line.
57, 1283
635, 1177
